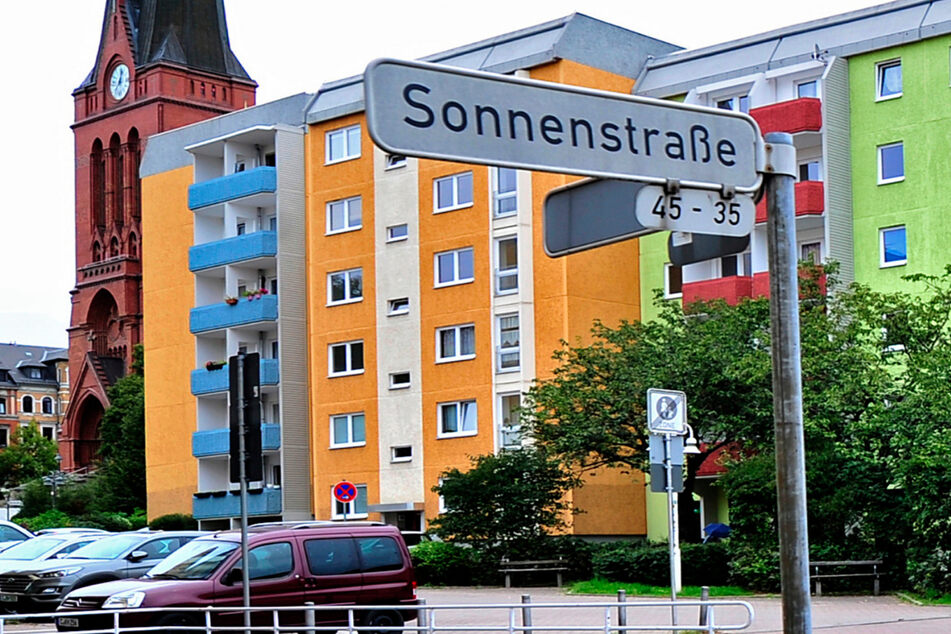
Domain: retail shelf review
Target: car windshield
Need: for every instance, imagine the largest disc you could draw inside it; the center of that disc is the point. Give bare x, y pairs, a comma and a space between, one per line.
108, 548
31, 548
195, 560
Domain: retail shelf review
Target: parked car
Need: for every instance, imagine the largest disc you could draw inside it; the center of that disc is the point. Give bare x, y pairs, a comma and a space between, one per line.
70, 529
339, 564
40, 586
12, 534
44, 547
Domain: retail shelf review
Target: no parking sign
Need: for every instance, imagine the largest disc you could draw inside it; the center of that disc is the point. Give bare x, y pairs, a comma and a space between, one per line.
345, 492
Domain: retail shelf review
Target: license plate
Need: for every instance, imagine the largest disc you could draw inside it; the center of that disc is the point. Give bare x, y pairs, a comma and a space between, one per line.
67, 621
8, 598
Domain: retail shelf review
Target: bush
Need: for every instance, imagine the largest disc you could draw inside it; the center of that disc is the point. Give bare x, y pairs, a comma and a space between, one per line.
174, 522
445, 564
36, 499
700, 564
705, 564
47, 519
930, 573
754, 568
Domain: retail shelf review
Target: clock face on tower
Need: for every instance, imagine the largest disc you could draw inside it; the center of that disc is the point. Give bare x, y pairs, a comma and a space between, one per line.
119, 82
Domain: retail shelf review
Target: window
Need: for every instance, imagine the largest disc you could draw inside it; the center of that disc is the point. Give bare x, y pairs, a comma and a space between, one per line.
345, 215
398, 306
355, 508
34, 373
891, 163
505, 191
378, 554
241, 228
740, 103
452, 192
403, 453
27, 405
270, 561
809, 171
395, 233
334, 556
4, 436
399, 380
893, 244
343, 144
811, 252
46, 405
457, 419
673, 281
344, 287
506, 272
3, 405
509, 427
454, 267
888, 80
346, 358
395, 160
455, 343
807, 89
732, 265
347, 430
509, 358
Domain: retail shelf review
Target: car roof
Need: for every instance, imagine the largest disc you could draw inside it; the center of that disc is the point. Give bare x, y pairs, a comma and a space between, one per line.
287, 529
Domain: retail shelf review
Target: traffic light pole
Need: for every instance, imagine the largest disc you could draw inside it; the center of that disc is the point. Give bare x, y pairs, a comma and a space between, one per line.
245, 580
787, 382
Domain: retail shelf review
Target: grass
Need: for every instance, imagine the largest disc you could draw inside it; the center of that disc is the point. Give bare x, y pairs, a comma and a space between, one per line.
602, 586
926, 598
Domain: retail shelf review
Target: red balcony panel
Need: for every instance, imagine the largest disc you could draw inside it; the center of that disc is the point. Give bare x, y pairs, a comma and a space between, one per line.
797, 115
810, 200
732, 289
761, 283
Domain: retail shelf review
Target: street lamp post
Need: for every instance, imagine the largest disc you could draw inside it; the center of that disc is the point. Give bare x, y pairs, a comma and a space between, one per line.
56, 476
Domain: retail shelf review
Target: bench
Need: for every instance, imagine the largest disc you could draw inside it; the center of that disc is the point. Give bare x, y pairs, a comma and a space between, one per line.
837, 573
507, 567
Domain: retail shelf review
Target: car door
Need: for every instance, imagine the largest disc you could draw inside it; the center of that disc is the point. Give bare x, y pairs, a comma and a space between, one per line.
331, 575
275, 582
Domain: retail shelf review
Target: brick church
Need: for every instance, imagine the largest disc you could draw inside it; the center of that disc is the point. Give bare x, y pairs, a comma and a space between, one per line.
161, 64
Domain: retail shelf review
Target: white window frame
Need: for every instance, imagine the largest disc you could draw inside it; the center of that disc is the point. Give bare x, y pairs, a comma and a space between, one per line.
818, 163
457, 338
459, 407
395, 161
397, 306
882, 264
344, 136
509, 351
395, 458
817, 243
390, 237
455, 253
805, 82
736, 102
511, 428
498, 196
348, 219
350, 442
505, 274
880, 68
879, 150
347, 277
667, 292
52, 403
349, 347
441, 505
455, 179
400, 386
351, 513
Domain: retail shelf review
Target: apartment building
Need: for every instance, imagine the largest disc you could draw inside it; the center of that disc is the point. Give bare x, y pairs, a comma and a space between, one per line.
34, 386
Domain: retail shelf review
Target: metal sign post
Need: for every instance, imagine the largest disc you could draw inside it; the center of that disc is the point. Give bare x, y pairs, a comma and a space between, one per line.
245, 577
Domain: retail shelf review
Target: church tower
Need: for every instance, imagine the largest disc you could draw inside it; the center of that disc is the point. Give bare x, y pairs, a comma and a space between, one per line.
161, 64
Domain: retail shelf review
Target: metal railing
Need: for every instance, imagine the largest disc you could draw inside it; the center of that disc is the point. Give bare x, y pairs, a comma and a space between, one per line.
526, 617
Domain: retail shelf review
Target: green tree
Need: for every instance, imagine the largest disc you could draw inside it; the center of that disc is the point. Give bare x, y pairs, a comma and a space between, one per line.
29, 456
504, 504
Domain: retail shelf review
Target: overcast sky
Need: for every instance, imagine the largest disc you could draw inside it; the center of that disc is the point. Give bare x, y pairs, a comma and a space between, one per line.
287, 46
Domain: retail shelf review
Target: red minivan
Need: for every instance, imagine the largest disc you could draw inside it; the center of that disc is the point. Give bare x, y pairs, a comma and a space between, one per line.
325, 563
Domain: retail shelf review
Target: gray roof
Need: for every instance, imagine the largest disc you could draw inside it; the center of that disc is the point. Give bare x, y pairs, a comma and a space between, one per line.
576, 37
842, 35
166, 151
15, 356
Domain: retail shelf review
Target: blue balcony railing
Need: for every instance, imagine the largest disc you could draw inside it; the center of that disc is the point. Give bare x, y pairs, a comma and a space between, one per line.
250, 246
212, 381
221, 315
232, 187
208, 505
217, 442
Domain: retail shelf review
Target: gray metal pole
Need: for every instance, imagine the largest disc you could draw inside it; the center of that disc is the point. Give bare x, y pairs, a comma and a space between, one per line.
787, 382
672, 534
245, 575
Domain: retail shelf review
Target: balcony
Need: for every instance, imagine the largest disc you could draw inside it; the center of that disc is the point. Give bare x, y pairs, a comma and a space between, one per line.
761, 282
251, 246
732, 289
217, 442
221, 315
214, 504
213, 381
260, 180
797, 115
810, 200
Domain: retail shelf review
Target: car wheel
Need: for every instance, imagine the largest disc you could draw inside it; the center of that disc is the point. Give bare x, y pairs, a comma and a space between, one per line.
382, 618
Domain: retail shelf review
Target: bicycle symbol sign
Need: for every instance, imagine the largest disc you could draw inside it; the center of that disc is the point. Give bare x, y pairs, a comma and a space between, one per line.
345, 491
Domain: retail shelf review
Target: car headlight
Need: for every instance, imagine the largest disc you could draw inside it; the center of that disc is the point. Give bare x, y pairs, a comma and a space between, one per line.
61, 572
125, 600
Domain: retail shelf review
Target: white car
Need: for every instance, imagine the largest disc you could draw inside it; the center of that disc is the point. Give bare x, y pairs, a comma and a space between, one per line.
45, 547
12, 534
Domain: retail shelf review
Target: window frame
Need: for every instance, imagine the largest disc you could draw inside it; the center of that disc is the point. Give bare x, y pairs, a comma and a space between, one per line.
668, 294
455, 267
737, 102
344, 133
392, 310
499, 196
441, 433
882, 263
395, 458
348, 298
349, 347
507, 273
806, 82
397, 238
508, 429
400, 386
32, 408
350, 442
880, 68
347, 202
52, 406
879, 150
394, 161
502, 351
457, 329
455, 179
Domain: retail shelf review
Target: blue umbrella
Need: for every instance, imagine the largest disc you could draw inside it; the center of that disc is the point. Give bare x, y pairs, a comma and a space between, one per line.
715, 531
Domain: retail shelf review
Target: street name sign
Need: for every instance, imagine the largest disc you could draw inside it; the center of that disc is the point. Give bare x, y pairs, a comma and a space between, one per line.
440, 112
666, 411
695, 211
